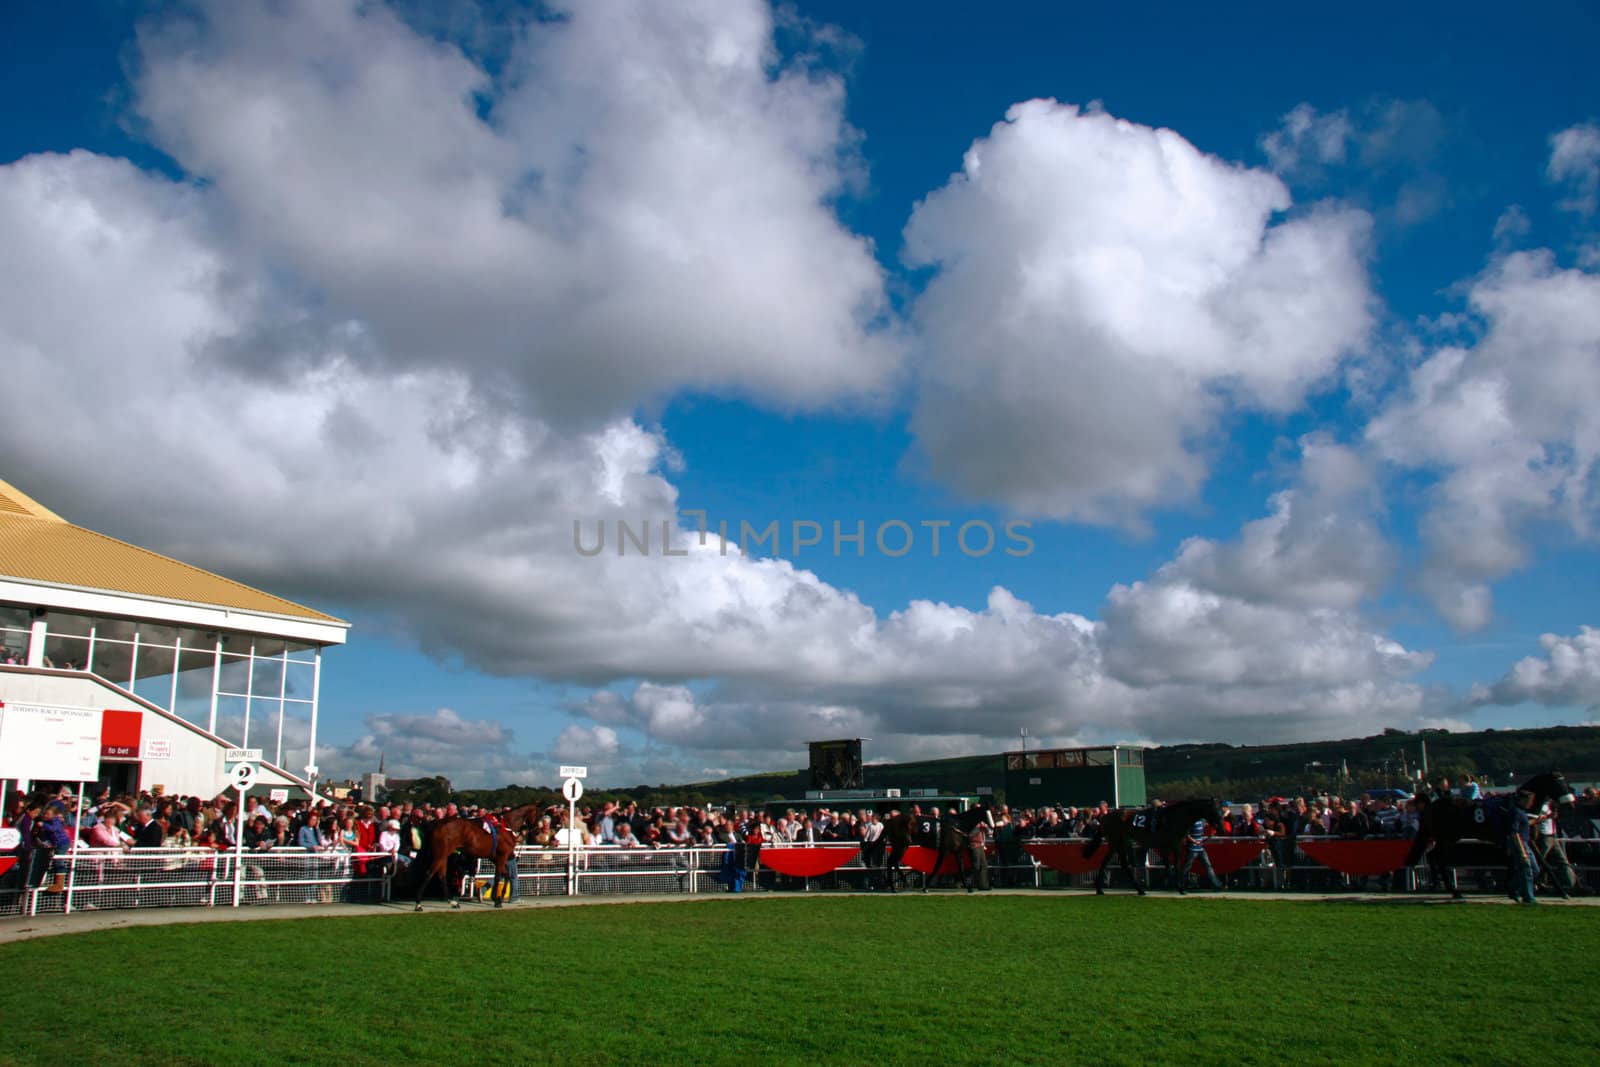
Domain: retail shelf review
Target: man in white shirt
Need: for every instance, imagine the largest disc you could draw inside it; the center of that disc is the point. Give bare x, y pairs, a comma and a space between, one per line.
1552, 855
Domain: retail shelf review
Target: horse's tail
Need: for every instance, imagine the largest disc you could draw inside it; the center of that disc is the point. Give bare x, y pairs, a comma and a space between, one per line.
1093, 843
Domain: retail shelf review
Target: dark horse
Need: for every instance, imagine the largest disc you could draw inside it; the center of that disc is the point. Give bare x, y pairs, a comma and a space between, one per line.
955, 832
1163, 829
473, 841
902, 830
1446, 821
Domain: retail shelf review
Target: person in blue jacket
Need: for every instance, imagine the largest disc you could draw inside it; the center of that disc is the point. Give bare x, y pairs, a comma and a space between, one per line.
1520, 844
1194, 848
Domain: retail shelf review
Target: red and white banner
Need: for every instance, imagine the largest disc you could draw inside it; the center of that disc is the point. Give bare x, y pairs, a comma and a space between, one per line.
921, 859
1229, 854
1067, 856
806, 861
1357, 858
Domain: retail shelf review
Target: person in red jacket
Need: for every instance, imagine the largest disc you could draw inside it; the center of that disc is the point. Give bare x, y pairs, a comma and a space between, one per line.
366, 838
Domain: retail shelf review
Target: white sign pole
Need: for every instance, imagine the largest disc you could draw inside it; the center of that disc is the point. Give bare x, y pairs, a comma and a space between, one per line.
572, 789
243, 776
238, 849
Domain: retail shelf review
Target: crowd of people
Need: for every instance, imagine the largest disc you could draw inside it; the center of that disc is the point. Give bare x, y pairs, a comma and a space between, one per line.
49, 825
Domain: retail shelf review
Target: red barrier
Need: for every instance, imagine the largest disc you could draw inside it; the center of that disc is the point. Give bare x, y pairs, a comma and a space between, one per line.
6, 863
1358, 858
1068, 857
921, 859
1229, 854
806, 861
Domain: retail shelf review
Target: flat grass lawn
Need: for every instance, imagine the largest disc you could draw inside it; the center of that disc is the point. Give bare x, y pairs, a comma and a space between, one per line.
857, 980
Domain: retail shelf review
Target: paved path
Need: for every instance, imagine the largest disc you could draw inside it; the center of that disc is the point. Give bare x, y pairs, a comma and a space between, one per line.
24, 928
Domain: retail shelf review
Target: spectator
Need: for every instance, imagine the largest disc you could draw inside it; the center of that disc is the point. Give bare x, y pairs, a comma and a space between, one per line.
148, 833
310, 835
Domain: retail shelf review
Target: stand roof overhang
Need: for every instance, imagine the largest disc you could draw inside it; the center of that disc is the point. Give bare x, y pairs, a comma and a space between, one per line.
49, 562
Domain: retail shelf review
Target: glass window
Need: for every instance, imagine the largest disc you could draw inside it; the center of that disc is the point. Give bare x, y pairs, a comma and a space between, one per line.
235, 674
154, 670
230, 719
302, 679
1098, 757
16, 625
59, 622
66, 653
112, 660
115, 629
268, 677
194, 686
1070, 758
237, 644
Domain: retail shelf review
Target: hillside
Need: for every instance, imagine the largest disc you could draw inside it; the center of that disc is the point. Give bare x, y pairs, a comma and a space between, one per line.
1247, 770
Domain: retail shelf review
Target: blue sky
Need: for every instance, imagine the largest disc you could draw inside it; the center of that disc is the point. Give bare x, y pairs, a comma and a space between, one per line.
1315, 298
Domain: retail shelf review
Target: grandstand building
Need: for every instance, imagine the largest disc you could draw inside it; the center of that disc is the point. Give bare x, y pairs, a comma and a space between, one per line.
169, 664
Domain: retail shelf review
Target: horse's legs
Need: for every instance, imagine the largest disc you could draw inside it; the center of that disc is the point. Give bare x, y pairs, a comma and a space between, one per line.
435, 870
499, 875
1133, 876
938, 861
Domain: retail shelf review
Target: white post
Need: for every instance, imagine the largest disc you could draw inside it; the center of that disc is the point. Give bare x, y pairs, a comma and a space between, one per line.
133, 662
249, 696
216, 683
177, 661
4, 782
72, 861
283, 693
36, 638
238, 848
316, 691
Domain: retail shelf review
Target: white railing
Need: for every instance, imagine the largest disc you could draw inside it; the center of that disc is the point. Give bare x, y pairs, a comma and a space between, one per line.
102, 879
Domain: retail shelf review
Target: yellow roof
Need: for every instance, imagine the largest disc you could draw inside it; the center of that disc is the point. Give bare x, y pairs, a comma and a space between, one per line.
37, 545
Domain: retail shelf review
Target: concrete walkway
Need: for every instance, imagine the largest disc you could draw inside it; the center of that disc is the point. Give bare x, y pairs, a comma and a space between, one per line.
26, 928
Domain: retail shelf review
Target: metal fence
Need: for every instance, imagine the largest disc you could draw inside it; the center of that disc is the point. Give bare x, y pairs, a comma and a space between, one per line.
101, 879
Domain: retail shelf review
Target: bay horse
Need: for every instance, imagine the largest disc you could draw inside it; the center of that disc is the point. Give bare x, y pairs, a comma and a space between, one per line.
473, 841
954, 834
519, 819
1163, 829
1445, 821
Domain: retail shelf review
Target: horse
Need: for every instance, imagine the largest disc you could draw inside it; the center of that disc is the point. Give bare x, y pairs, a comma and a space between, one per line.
1163, 829
954, 834
902, 830
1446, 821
474, 842
519, 819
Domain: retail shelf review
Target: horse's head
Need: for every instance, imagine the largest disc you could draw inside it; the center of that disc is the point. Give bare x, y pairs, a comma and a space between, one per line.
1551, 786
1214, 813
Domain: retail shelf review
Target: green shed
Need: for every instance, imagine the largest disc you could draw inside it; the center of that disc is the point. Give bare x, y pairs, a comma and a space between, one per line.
1076, 777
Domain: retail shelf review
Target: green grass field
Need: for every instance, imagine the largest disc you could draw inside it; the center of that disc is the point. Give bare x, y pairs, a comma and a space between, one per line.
940, 979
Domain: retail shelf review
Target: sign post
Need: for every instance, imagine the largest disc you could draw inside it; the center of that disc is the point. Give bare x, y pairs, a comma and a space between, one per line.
243, 776
572, 789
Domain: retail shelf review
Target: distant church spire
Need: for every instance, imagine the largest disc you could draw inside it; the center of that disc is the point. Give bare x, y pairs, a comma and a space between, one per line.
380, 763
